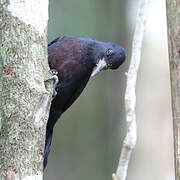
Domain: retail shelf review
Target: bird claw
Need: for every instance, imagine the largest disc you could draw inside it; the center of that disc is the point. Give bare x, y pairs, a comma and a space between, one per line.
56, 81
54, 93
54, 72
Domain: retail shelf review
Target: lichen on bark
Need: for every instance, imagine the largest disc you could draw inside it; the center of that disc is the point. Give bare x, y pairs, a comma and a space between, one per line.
24, 99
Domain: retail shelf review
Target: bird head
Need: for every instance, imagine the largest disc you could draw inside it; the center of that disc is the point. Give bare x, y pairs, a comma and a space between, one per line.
110, 57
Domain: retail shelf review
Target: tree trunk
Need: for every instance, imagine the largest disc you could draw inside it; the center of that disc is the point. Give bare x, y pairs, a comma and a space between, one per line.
24, 99
173, 19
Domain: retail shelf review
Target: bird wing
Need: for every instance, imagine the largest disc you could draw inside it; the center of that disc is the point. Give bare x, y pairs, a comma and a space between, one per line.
77, 91
73, 78
67, 57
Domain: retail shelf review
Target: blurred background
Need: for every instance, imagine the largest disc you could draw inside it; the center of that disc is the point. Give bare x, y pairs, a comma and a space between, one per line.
88, 137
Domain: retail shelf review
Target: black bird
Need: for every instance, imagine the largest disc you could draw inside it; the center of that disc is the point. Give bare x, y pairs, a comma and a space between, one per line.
75, 60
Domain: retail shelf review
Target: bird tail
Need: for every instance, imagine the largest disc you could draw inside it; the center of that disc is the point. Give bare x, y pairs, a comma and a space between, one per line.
54, 115
48, 141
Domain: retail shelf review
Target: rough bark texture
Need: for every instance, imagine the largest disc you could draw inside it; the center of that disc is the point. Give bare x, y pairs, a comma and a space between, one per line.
24, 99
173, 19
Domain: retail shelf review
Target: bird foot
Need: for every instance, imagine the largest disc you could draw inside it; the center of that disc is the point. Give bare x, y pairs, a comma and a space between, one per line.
56, 81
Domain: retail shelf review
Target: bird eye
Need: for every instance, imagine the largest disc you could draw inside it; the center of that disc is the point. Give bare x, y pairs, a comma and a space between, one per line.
109, 52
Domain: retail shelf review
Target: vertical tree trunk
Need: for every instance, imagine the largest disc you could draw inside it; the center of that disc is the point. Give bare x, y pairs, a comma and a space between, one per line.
24, 99
173, 19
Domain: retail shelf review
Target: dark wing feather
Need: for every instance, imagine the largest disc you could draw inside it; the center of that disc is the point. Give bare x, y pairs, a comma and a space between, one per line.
59, 39
70, 86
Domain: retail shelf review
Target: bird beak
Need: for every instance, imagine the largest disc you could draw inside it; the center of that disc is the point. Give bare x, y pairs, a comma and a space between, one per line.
99, 67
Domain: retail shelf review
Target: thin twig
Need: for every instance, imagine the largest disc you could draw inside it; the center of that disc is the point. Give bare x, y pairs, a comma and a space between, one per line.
130, 96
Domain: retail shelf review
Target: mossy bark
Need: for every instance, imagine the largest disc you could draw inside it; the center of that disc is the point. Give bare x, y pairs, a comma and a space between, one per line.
173, 22
24, 99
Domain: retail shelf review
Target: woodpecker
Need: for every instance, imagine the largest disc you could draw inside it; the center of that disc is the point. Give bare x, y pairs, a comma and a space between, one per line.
73, 60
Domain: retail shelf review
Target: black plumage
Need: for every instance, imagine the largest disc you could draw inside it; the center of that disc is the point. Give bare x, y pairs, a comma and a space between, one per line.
74, 59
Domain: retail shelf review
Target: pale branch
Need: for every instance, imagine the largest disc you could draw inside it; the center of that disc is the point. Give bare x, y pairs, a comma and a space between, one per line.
173, 27
130, 96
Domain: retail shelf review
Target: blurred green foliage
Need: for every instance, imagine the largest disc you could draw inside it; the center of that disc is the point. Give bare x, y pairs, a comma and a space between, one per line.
86, 140
101, 19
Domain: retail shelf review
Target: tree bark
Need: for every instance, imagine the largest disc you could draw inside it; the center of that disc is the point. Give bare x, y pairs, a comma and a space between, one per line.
24, 99
173, 22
